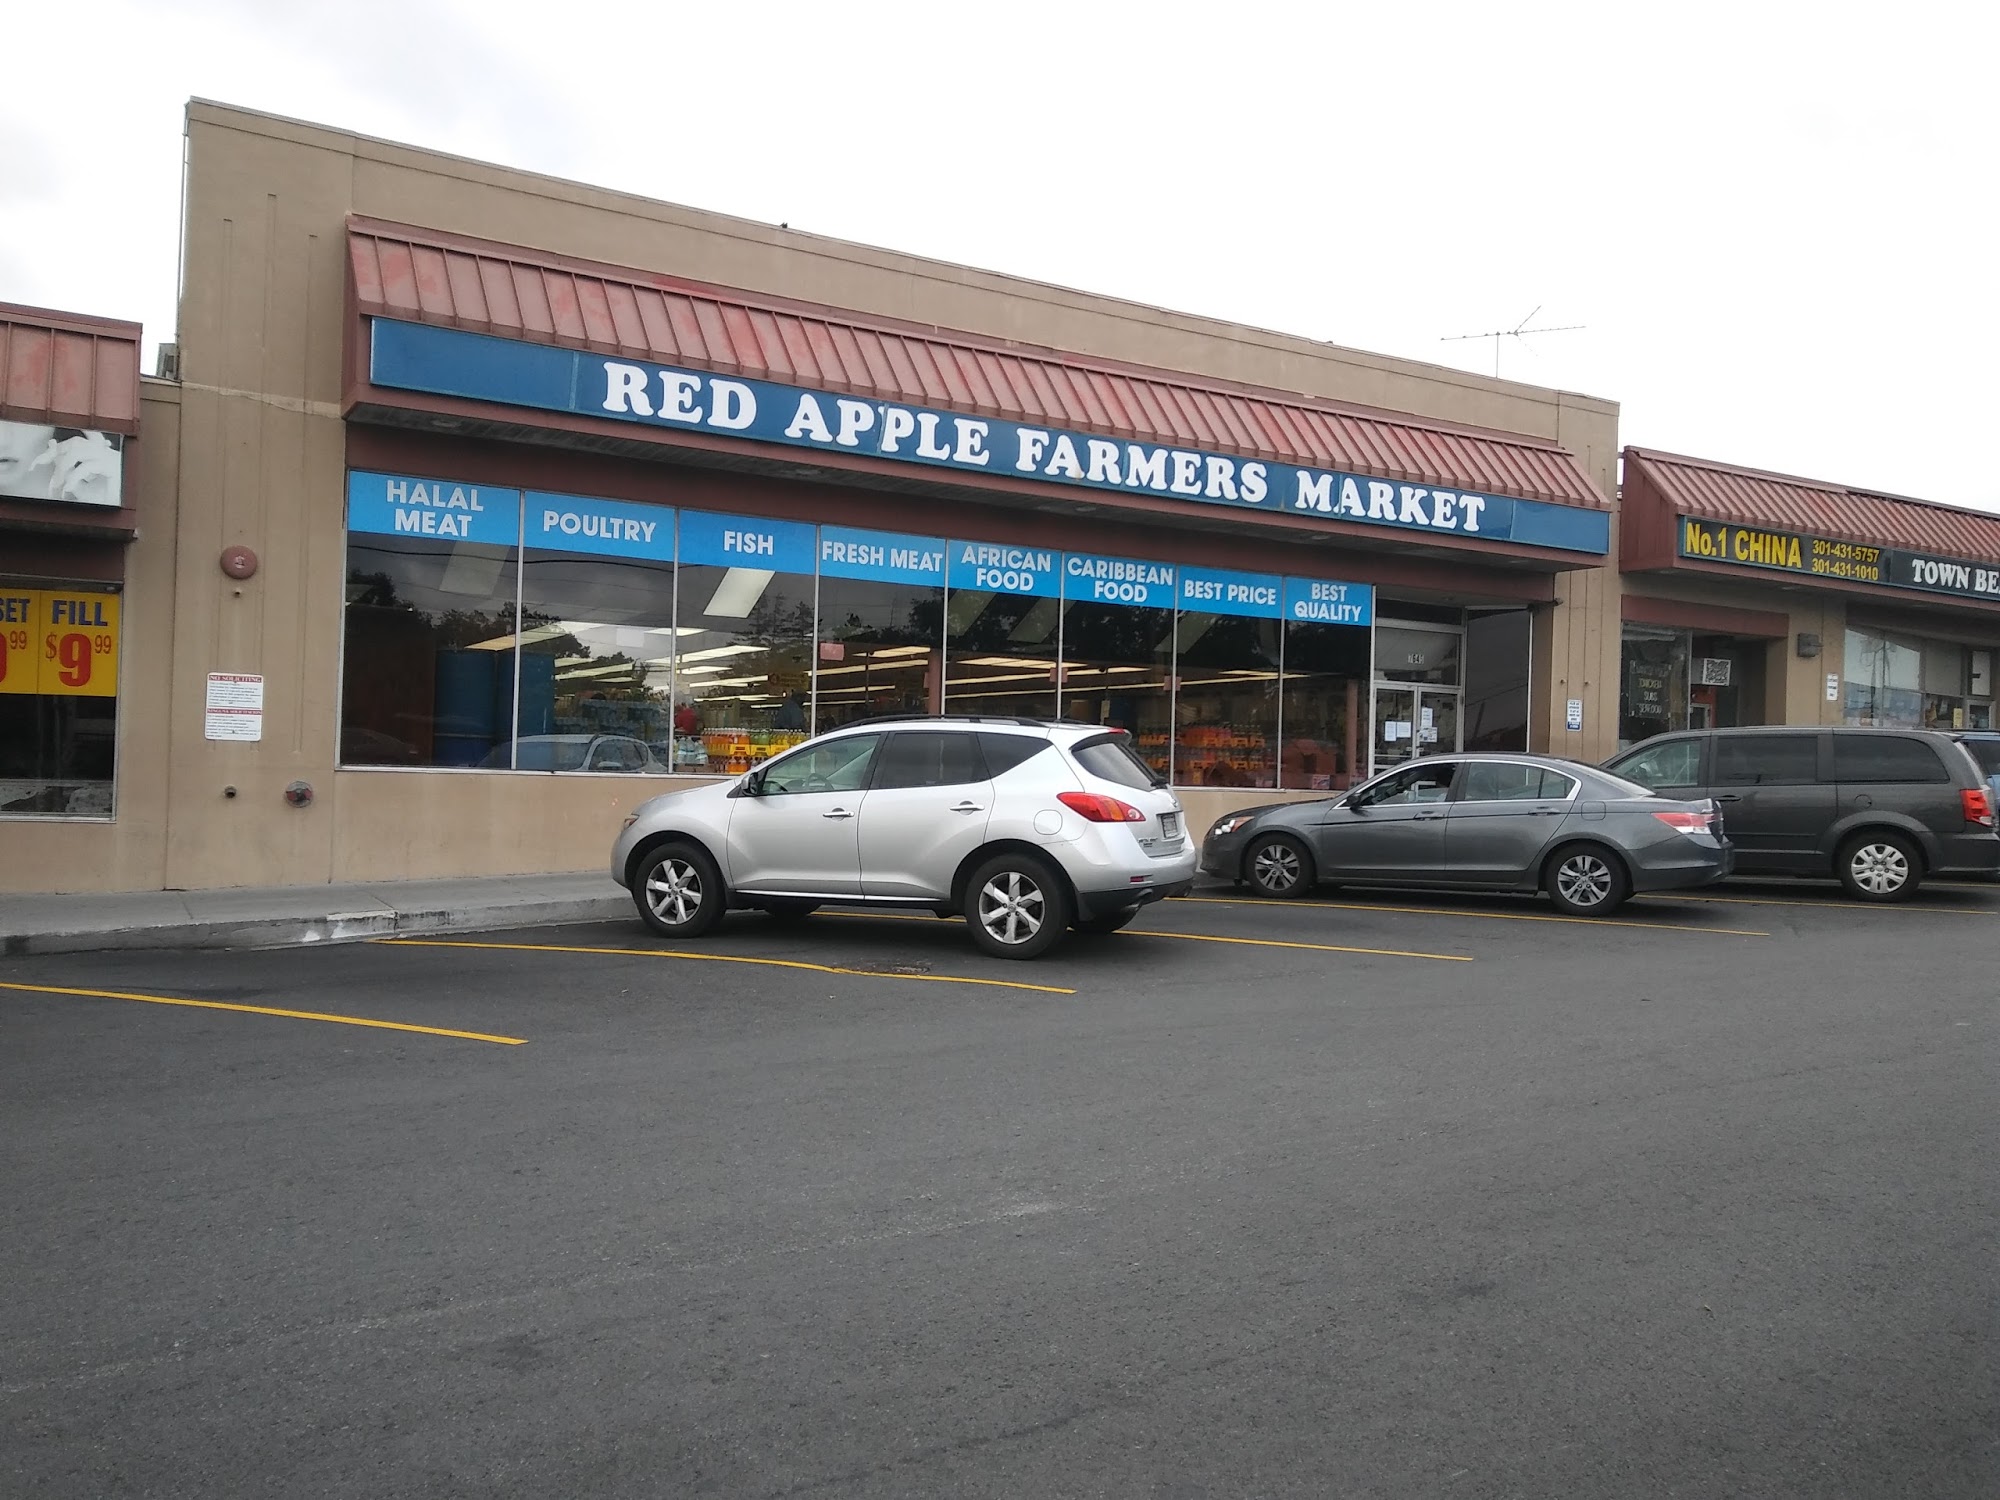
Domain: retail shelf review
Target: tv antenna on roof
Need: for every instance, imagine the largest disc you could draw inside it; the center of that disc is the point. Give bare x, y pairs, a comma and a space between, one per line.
1519, 330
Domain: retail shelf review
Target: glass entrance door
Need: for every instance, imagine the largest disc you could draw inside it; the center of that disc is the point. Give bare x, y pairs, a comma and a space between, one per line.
1411, 722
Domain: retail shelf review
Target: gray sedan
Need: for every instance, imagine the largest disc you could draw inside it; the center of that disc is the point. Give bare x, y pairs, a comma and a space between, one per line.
1492, 822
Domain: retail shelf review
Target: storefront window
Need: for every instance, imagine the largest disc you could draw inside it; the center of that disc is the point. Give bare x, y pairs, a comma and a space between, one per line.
59, 652
1496, 680
597, 638
499, 630
1652, 683
1118, 649
1884, 681
1326, 693
744, 628
881, 625
1411, 653
428, 665
1226, 660
1003, 625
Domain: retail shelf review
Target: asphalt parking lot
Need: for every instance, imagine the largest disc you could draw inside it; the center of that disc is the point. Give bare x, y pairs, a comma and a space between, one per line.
1371, 1195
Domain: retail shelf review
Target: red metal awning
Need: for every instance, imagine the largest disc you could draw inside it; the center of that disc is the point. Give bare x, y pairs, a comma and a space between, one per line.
1674, 485
423, 276
68, 370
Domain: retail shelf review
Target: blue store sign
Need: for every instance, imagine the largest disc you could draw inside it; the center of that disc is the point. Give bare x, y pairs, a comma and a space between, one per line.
882, 556
1117, 580
746, 542
445, 509
1215, 591
606, 528
999, 568
448, 362
1325, 602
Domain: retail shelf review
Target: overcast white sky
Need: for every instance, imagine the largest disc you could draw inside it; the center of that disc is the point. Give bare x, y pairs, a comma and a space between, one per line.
1777, 222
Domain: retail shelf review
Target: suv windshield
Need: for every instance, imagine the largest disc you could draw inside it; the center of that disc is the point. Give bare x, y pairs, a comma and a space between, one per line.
1112, 757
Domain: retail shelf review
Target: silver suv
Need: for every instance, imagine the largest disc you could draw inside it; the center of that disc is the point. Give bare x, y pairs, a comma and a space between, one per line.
1026, 826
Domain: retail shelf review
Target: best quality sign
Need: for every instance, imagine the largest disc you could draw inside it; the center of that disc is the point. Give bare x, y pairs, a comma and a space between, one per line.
445, 361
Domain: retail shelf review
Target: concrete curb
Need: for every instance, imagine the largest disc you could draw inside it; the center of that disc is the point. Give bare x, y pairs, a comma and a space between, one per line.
331, 927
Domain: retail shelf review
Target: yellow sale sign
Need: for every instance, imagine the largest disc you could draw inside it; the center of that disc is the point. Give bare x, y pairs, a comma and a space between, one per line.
62, 642
20, 661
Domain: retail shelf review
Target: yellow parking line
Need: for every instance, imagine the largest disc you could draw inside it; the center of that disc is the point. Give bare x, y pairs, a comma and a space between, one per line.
1949, 911
725, 958
1204, 937
268, 1010
1496, 916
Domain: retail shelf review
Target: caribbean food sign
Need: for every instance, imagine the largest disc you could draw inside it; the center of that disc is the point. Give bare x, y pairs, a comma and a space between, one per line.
1843, 562
479, 367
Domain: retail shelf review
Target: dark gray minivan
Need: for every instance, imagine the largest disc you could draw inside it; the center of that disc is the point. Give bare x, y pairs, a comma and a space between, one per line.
1875, 809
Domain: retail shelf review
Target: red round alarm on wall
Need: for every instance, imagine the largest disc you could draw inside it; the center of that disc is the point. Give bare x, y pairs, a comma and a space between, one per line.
239, 561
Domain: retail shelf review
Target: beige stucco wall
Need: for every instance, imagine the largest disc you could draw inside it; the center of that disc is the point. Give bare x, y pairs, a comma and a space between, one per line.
128, 853
259, 461
1794, 686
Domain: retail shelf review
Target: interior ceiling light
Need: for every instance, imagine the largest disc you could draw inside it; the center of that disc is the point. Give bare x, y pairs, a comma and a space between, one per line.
712, 652
739, 592
881, 651
524, 638
879, 667
1000, 677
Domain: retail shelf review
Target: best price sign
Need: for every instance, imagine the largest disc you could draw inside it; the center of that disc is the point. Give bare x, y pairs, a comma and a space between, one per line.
60, 642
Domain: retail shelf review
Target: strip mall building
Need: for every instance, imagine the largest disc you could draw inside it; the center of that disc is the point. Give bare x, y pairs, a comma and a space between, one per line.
472, 508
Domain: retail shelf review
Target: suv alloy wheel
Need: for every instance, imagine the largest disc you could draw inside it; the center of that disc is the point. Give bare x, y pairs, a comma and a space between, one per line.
1015, 906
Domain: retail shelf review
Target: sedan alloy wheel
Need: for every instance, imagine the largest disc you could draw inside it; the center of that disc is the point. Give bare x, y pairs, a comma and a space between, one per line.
1588, 881
1279, 866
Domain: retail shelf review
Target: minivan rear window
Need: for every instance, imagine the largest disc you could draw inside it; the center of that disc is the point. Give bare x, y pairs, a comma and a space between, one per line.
1986, 752
1112, 757
1870, 757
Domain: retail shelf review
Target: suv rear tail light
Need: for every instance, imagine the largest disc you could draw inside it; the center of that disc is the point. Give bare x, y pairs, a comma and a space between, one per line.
1688, 822
1978, 806
1095, 807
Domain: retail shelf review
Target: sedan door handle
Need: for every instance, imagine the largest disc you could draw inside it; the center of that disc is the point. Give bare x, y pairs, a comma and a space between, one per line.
838, 812
1426, 817
970, 807
1729, 797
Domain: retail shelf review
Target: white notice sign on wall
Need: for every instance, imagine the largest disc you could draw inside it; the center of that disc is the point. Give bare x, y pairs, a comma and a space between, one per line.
1573, 714
235, 707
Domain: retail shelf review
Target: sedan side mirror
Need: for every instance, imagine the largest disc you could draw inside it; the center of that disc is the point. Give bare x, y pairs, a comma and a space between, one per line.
751, 785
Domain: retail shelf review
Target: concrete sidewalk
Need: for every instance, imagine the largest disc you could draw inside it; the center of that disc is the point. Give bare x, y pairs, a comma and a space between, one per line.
271, 917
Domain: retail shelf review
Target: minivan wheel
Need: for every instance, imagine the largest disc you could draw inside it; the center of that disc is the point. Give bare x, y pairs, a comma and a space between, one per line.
1016, 906
679, 891
1880, 866
1587, 880
1278, 865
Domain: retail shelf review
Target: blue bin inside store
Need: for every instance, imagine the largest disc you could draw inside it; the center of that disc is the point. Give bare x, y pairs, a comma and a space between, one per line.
464, 705
538, 695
